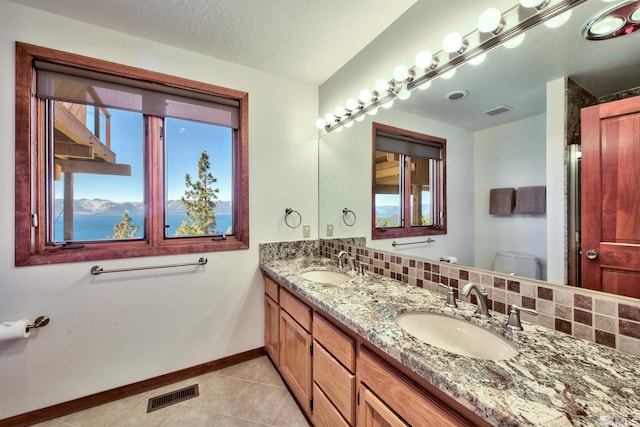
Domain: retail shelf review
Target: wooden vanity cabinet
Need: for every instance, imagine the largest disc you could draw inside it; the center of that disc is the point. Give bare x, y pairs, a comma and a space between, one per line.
272, 319
400, 394
333, 375
295, 347
338, 380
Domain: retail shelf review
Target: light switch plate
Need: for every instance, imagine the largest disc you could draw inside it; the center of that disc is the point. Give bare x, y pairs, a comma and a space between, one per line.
306, 231
329, 230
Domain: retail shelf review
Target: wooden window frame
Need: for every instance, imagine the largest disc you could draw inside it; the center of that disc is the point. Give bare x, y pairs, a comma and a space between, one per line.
407, 230
30, 247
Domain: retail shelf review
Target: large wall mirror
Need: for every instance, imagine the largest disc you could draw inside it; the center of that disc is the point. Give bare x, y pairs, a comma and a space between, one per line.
509, 122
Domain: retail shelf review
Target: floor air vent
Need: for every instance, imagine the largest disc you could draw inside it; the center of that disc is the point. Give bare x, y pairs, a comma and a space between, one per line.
169, 399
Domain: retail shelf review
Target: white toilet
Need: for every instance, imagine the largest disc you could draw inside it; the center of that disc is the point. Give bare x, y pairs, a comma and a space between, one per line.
517, 264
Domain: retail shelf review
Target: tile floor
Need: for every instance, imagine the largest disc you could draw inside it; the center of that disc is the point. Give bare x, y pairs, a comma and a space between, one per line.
250, 394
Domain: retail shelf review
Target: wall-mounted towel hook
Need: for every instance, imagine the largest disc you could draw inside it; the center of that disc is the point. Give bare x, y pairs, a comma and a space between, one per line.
287, 217
349, 217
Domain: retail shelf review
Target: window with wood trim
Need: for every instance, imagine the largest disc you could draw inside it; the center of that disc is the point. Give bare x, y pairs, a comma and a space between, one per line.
114, 161
409, 189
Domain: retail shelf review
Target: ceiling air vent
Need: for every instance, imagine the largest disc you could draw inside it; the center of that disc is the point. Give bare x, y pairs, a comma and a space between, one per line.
169, 399
498, 110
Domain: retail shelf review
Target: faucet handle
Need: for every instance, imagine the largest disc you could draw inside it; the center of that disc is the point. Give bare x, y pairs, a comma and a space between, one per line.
360, 269
513, 324
451, 298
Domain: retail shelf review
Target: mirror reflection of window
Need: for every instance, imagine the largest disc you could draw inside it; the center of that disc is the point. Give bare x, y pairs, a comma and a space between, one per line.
409, 191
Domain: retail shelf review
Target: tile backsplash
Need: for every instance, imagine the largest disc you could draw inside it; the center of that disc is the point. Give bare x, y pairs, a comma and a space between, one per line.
605, 319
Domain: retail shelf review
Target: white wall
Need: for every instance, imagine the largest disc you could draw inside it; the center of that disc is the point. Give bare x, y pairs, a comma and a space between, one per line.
112, 330
556, 177
345, 181
509, 155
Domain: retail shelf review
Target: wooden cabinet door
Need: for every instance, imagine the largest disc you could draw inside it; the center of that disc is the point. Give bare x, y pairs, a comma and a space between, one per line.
374, 413
272, 329
611, 197
295, 359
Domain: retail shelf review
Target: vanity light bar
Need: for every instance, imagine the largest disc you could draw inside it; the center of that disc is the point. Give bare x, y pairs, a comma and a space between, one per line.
513, 22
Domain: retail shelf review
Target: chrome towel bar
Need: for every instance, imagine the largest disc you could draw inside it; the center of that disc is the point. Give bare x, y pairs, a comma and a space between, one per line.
429, 240
97, 269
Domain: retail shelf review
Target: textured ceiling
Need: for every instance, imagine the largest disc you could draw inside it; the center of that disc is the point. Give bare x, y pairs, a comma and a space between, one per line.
307, 40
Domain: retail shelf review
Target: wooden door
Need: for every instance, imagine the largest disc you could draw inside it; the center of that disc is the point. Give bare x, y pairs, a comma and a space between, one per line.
374, 412
611, 197
295, 359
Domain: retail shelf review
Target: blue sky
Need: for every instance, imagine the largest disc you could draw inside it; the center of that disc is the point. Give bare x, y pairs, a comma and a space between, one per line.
185, 141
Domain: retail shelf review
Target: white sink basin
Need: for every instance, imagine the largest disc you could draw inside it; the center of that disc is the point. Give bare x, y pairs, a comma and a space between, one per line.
456, 336
324, 276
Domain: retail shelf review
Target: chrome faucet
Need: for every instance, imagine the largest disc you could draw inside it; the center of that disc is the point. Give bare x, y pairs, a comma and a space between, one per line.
481, 295
350, 260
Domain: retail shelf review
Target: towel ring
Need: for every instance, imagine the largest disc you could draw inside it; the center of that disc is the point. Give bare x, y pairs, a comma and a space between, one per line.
288, 212
346, 214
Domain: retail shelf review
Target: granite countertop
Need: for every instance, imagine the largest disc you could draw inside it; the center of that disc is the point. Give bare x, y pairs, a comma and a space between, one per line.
555, 380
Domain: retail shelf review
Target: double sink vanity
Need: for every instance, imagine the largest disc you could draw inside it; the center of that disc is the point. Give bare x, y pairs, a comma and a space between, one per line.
360, 349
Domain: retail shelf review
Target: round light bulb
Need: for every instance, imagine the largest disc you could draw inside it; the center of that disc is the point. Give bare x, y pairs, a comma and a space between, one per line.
453, 43
360, 118
449, 74
400, 73
329, 118
425, 86
514, 42
490, 21
339, 129
558, 21
348, 124
320, 123
340, 111
388, 104
479, 59
538, 4
373, 112
382, 86
352, 104
366, 95
405, 94
424, 59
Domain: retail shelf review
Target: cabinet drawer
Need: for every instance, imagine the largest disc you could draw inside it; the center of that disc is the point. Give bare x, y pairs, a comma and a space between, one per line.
296, 308
402, 395
324, 413
271, 288
338, 384
339, 344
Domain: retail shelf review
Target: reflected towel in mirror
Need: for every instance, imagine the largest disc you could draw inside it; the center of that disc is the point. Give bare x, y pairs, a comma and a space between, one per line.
501, 201
531, 200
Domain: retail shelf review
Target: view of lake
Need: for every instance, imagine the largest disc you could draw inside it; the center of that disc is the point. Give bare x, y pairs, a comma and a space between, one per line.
99, 227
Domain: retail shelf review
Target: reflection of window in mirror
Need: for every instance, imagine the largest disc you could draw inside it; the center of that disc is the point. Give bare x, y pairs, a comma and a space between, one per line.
408, 183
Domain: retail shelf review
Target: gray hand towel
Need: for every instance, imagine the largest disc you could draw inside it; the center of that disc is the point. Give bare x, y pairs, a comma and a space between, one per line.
501, 201
531, 200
